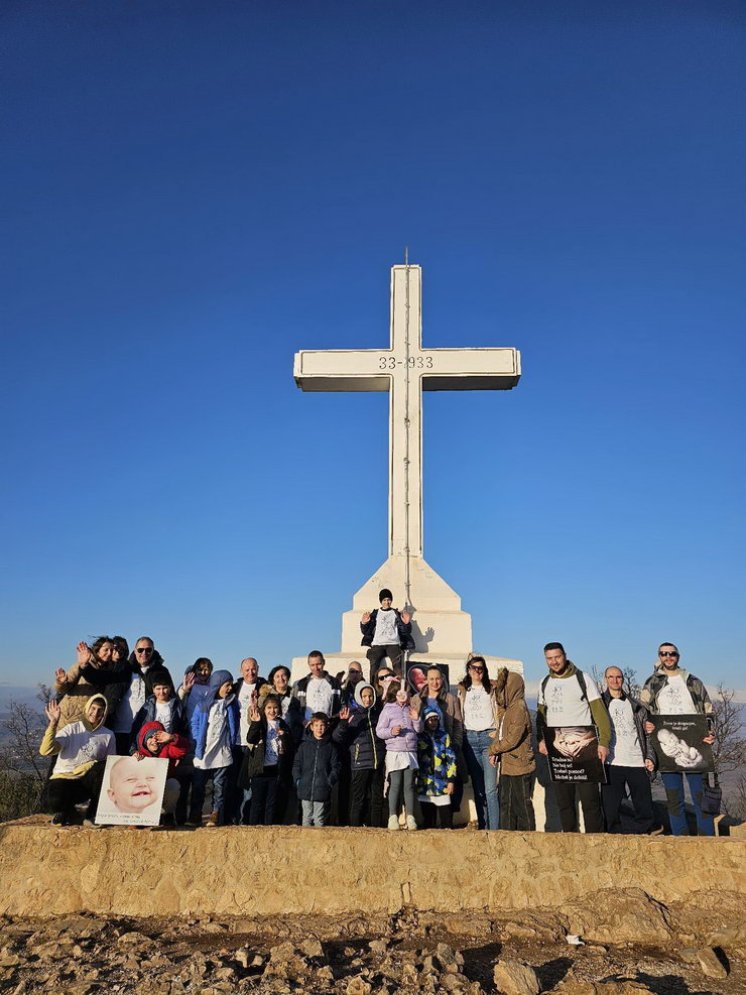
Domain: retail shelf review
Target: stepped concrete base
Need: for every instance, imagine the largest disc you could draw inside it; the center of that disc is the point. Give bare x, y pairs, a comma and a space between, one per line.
440, 628
46, 870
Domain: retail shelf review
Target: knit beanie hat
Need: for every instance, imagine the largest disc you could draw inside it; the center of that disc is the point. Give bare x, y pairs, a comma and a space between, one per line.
385, 593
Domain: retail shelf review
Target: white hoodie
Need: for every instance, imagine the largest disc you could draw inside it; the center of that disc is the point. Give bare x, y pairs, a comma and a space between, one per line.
79, 745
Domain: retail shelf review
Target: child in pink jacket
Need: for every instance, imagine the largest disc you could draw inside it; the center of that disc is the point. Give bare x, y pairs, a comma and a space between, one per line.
398, 726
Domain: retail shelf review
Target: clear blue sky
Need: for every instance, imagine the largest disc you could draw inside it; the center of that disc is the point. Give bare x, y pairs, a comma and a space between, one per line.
192, 191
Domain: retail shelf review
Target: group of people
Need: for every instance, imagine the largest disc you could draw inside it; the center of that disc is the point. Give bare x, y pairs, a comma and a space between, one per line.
377, 753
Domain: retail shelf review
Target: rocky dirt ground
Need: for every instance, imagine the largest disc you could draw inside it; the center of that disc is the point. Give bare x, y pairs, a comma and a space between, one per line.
633, 945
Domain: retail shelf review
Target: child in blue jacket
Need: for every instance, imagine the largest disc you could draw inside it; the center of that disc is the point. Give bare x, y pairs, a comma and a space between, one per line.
215, 729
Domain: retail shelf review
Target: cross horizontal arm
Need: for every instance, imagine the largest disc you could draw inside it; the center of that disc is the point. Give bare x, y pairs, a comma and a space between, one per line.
470, 369
341, 369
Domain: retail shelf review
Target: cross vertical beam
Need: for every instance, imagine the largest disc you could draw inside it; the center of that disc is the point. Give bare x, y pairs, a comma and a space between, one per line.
405, 369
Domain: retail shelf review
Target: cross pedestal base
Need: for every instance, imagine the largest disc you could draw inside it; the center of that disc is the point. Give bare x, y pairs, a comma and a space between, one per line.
441, 630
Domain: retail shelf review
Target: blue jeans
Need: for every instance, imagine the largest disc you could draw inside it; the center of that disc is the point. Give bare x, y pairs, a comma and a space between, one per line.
483, 777
219, 778
674, 785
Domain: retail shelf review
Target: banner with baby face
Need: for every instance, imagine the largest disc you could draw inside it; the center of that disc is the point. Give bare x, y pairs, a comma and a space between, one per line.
132, 791
417, 675
679, 744
573, 754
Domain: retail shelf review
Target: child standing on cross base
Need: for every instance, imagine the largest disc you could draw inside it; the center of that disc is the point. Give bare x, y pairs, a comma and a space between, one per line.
388, 633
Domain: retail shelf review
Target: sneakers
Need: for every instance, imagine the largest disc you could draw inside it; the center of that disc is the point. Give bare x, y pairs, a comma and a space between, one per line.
411, 822
168, 821
90, 824
60, 819
212, 820
393, 823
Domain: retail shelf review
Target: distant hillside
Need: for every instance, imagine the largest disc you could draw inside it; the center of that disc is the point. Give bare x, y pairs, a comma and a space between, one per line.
21, 695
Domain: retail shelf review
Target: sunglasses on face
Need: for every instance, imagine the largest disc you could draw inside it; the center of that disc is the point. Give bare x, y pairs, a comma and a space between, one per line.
667, 653
144, 649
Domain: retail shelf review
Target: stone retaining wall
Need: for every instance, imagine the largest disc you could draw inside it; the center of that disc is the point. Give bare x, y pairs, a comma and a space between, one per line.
46, 870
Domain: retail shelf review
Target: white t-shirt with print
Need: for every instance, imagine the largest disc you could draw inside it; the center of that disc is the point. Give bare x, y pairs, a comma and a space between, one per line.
218, 751
566, 706
675, 699
131, 703
164, 713
478, 714
244, 698
319, 697
271, 745
625, 749
386, 633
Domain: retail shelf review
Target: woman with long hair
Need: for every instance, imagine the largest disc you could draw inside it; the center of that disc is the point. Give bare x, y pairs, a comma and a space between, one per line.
479, 708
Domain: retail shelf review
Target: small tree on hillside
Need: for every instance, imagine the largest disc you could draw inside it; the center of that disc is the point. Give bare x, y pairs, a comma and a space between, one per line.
729, 748
23, 771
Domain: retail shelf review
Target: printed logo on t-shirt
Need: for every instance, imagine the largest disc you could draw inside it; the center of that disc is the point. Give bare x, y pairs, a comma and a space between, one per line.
675, 699
386, 633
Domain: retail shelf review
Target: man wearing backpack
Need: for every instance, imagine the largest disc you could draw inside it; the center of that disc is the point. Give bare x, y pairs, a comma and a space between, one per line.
569, 697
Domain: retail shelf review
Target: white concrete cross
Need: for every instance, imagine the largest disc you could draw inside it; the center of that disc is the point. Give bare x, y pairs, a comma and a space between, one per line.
405, 369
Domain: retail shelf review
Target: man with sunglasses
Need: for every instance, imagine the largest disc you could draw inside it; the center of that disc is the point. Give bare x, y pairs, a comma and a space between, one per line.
673, 691
144, 660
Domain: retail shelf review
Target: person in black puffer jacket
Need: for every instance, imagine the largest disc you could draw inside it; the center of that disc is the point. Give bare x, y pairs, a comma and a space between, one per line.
316, 771
356, 730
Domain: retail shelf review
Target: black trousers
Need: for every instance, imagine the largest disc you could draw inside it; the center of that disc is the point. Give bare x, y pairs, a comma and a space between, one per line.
367, 806
568, 793
436, 816
233, 791
516, 807
376, 654
264, 791
65, 793
612, 795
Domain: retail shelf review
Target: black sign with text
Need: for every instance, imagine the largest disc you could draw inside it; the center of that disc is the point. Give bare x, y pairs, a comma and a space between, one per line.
678, 743
573, 754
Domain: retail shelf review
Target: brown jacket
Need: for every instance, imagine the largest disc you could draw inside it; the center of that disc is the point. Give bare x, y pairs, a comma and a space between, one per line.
513, 740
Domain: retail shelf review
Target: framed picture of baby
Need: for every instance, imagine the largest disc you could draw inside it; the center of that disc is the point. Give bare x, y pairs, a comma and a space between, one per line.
573, 754
132, 792
678, 743
417, 675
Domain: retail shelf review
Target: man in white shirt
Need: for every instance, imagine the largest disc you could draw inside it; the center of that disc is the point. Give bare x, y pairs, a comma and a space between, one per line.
143, 661
569, 697
246, 690
319, 691
631, 759
673, 691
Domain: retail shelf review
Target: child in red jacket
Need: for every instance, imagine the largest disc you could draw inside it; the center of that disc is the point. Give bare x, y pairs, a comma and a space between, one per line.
154, 741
